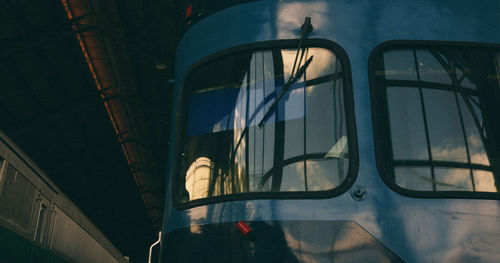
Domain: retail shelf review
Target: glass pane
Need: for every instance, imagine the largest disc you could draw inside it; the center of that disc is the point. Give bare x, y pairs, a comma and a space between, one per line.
474, 140
325, 130
484, 181
431, 69
325, 63
445, 129
325, 174
16, 197
293, 178
226, 151
294, 127
453, 179
407, 124
414, 178
198, 177
460, 94
399, 64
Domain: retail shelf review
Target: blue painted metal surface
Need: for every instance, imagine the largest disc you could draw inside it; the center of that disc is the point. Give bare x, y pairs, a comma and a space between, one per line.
418, 230
277, 241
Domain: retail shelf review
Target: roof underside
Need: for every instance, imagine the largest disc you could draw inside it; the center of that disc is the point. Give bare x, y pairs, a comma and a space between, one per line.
94, 117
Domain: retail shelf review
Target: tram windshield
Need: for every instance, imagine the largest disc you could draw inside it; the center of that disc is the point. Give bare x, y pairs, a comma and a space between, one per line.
440, 117
300, 146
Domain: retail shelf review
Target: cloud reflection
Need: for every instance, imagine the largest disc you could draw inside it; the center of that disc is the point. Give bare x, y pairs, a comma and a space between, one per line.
450, 179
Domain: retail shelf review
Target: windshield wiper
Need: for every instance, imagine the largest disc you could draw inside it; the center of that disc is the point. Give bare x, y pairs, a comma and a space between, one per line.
290, 82
294, 76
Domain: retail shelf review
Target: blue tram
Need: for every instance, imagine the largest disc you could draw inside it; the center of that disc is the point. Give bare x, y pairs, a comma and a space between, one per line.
336, 131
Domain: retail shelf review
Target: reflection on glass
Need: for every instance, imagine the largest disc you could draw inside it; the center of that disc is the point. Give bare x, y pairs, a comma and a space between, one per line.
414, 178
320, 173
399, 64
406, 119
484, 181
320, 126
302, 145
453, 179
474, 141
445, 128
293, 179
430, 68
198, 178
325, 63
443, 116
294, 129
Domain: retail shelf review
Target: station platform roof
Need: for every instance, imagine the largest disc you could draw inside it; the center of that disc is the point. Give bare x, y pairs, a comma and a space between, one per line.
85, 92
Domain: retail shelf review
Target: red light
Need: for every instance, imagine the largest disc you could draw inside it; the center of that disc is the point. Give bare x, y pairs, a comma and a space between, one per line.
189, 10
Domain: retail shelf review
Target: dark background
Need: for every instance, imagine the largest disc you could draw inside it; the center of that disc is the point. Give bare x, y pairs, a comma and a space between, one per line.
85, 92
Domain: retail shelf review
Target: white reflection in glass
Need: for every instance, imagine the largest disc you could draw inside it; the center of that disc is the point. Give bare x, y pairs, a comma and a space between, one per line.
484, 181
293, 177
453, 179
198, 178
325, 174
339, 149
455, 153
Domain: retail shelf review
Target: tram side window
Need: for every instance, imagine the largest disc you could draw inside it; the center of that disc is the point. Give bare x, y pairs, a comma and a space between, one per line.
1, 170
16, 197
438, 118
300, 146
41, 225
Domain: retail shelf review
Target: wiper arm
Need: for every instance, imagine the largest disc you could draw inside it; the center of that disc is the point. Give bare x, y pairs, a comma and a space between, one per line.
289, 83
305, 29
294, 76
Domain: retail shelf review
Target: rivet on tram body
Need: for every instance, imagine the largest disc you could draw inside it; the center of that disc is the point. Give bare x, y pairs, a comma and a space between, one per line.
358, 193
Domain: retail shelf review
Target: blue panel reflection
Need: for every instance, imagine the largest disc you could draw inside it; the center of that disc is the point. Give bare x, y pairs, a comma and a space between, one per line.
215, 111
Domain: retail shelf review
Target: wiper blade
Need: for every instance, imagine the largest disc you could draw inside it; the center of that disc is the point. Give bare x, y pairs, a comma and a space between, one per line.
289, 83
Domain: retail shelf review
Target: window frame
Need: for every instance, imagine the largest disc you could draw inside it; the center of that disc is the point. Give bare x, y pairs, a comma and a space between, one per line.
381, 122
348, 100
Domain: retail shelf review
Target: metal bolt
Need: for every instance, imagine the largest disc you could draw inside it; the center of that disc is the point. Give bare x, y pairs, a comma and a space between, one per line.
358, 193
